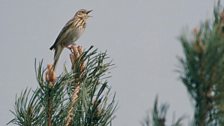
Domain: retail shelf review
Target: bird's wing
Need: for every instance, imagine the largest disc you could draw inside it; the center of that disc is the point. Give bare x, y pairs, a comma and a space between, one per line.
62, 33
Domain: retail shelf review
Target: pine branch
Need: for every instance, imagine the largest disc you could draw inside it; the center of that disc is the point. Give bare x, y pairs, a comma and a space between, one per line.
77, 97
159, 116
203, 70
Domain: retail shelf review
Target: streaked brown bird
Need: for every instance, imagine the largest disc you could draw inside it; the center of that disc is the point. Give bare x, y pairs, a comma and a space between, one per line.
70, 33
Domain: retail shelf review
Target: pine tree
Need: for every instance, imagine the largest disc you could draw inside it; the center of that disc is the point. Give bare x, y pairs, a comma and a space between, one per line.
202, 73
203, 70
79, 97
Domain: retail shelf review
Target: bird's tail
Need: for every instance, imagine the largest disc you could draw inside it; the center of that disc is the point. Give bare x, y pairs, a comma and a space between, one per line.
57, 54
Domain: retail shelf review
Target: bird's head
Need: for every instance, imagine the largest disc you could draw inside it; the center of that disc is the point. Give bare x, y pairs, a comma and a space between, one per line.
82, 13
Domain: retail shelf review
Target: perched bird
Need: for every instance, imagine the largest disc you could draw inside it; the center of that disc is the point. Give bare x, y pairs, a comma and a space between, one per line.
70, 33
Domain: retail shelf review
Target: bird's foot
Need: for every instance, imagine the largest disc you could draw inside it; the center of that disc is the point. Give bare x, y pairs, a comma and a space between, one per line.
71, 47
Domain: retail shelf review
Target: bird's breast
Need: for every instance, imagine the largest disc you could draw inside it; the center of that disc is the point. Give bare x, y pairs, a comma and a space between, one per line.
74, 35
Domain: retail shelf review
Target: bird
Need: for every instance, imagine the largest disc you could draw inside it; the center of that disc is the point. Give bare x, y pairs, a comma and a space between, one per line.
70, 33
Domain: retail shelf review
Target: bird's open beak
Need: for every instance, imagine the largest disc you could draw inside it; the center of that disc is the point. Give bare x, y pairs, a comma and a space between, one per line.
89, 11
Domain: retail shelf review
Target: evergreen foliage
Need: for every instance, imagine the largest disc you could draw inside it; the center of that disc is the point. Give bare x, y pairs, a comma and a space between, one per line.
202, 74
158, 116
203, 70
76, 98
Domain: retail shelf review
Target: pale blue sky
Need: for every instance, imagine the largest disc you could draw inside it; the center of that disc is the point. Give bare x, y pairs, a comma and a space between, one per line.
139, 35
